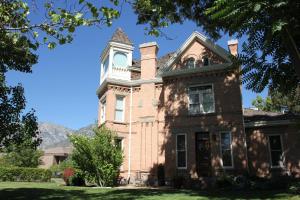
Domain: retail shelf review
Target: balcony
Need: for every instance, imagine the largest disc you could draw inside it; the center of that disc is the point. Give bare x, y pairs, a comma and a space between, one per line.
116, 73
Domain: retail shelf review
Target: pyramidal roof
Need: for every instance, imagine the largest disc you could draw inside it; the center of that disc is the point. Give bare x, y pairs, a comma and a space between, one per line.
121, 37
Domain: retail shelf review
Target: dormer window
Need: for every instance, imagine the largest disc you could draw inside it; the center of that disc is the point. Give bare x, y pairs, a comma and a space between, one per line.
190, 63
205, 61
120, 60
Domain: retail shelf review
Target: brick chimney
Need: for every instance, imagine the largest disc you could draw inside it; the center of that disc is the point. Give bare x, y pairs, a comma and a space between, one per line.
233, 47
148, 60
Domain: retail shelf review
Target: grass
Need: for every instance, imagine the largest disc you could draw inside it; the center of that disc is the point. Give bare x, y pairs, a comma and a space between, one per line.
51, 191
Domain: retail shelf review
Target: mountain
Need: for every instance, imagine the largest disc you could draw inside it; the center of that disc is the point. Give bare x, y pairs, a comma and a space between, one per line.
54, 135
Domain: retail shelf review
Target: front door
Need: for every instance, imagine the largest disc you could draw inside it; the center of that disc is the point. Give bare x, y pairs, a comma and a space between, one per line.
203, 154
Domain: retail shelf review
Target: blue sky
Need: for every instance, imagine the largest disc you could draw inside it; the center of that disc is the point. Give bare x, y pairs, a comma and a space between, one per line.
62, 87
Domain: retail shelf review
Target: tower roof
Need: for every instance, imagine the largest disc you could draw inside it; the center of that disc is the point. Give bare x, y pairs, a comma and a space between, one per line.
121, 37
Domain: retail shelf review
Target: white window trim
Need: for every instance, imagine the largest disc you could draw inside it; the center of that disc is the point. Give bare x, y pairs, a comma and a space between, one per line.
117, 50
221, 160
194, 66
185, 140
101, 100
123, 116
213, 96
207, 60
122, 148
270, 155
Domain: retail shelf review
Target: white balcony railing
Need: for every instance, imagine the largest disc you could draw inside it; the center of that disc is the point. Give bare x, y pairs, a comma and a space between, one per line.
116, 73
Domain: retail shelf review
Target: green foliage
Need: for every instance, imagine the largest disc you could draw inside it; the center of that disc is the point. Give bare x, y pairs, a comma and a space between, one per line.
57, 170
276, 101
270, 55
264, 104
22, 156
20, 37
24, 174
291, 100
98, 157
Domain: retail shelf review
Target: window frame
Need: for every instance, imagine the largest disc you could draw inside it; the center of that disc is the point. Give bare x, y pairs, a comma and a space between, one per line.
101, 104
190, 59
203, 61
113, 58
213, 97
270, 151
122, 149
185, 146
123, 106
231, 150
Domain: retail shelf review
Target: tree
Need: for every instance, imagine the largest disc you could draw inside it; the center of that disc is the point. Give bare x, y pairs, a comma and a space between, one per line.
22, 156
270, 56
264, 104
98, 157
290, 101
20, 37
277, 101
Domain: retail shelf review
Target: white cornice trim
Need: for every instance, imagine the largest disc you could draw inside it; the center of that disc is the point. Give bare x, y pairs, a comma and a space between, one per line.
131, 83
267, 123
115, 44
196, 70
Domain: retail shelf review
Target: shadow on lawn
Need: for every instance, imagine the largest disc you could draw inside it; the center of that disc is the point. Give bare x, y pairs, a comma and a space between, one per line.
132, 194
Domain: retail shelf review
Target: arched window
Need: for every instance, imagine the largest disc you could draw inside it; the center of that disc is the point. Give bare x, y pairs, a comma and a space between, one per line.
190, 63
120, 60
205, 61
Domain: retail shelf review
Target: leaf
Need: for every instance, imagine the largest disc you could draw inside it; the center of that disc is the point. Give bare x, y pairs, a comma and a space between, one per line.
71, 29
35, 34
257, 7
81, 1
51, 45
55, 18
277, 26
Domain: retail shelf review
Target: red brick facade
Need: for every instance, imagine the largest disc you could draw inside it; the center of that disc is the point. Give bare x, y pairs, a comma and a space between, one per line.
156, 109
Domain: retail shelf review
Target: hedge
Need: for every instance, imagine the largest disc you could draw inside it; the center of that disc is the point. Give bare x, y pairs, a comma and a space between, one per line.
24, 174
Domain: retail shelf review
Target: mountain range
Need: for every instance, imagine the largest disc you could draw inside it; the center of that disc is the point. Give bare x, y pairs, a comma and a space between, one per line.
54, 135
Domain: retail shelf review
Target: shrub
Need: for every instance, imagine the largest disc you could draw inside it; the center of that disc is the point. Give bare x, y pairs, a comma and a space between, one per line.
77, 179
295, 187
58, 170
161, 175
224, 181
99, 158
178, 181
68, 173
73, 177
24, 174
22, 156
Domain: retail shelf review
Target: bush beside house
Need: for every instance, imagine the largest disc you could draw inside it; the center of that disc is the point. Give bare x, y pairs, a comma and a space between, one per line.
24, 174
98, 158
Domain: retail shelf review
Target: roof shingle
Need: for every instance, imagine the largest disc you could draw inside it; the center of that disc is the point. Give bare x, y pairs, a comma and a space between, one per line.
121, 37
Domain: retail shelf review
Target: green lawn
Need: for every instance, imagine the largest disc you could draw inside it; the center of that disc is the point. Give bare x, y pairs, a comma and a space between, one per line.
51, 191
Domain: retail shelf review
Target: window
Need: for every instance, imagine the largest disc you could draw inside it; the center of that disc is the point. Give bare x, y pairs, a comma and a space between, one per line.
120, 60
119, 111
205, 61
103, 110
190, 63
201, 99
181, 150
226, 149
118, 143
275, 150
105, 65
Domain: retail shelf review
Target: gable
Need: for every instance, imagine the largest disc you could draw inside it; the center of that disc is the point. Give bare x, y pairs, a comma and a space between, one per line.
197, 51
198, 47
